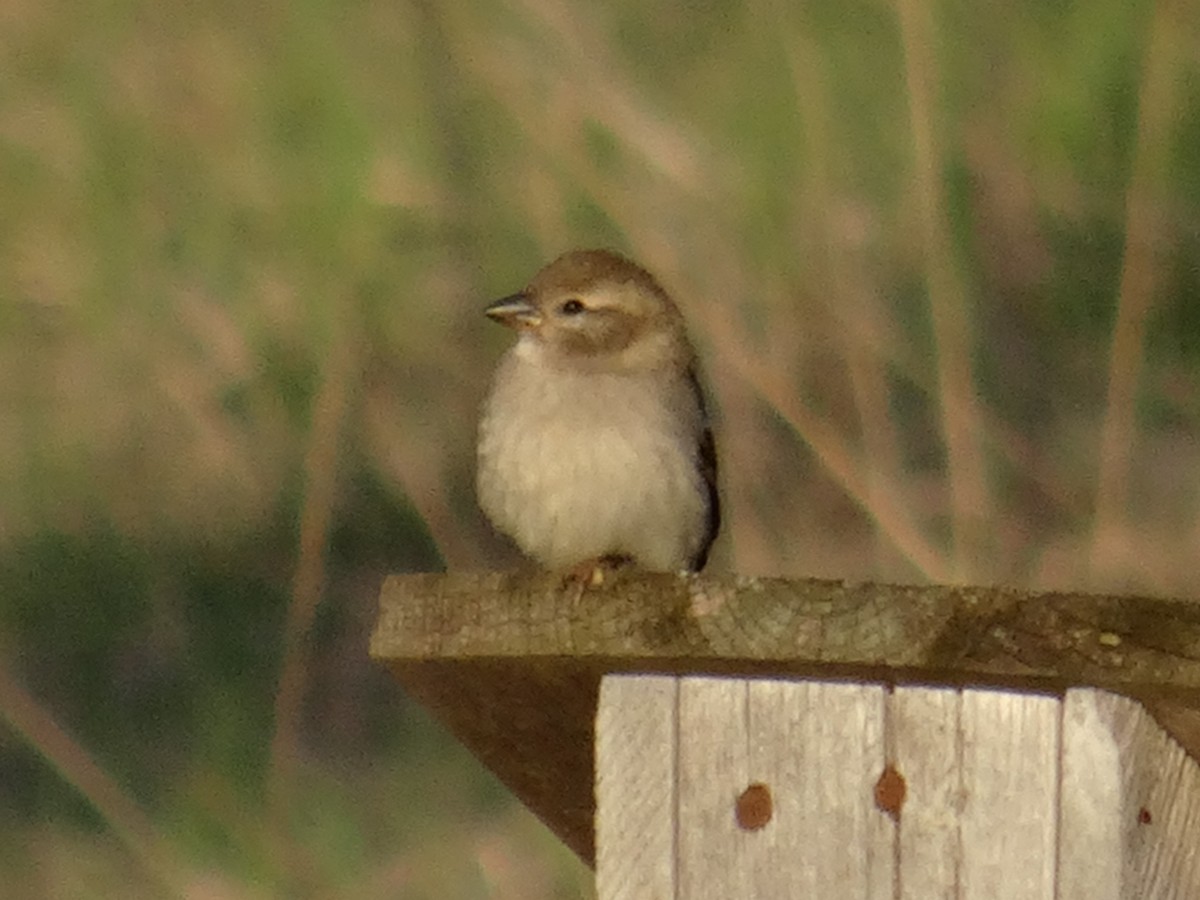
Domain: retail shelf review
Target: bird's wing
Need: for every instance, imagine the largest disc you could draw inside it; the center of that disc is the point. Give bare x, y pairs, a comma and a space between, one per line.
706, 455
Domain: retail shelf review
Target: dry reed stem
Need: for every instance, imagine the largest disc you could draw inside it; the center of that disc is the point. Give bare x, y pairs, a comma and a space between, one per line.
121, 813
879, 500
412, 465
971, 505
615, 101
320, 479
845, 291
753, 545
1156, 104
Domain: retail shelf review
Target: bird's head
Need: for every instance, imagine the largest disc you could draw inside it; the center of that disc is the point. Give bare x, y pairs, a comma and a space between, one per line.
596, 310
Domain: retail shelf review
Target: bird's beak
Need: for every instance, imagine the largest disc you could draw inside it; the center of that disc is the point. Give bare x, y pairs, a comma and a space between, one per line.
515, 311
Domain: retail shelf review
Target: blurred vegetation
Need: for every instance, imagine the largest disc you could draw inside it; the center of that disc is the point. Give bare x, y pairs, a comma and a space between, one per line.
942, 261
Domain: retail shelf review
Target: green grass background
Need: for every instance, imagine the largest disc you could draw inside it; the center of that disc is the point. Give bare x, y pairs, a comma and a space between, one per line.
942, 262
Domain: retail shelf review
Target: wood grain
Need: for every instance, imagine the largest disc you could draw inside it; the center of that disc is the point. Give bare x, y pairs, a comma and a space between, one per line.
637, 745
925, 746
1009, 776
1005, 794
1130, 805
511, 662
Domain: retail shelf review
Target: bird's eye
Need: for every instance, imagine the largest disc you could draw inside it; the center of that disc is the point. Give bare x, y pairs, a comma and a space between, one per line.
572, 307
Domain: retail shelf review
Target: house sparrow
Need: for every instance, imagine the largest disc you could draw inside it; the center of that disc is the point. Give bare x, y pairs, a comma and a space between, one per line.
594, 443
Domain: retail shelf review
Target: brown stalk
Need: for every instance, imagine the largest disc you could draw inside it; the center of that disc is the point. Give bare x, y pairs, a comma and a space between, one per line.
127, 820
1156, 104
961, 421
844, 287
308, 583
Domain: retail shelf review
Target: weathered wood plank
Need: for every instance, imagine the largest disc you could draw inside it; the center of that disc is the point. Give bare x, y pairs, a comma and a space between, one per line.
925, 748
511, 662
716, 858
1009, 775
737, 624
1092, 852
820, 746
1005, 795
1130, 805
636, 749
811, 751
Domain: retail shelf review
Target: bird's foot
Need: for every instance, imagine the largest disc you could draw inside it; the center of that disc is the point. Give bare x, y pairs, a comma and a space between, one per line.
592, 573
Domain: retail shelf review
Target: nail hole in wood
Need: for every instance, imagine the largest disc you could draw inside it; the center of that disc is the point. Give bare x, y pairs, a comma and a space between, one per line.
754, 807
890, 790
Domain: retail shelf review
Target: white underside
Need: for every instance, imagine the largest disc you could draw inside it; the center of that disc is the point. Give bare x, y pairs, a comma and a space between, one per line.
574, 466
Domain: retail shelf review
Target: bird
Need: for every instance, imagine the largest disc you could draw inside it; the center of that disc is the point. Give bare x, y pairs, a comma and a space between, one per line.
595, 443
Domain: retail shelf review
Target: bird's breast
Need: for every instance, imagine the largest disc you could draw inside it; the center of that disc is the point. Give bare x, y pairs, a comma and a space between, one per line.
581, 465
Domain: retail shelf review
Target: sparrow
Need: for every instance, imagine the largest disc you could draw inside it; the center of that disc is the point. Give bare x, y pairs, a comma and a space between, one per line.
594, 442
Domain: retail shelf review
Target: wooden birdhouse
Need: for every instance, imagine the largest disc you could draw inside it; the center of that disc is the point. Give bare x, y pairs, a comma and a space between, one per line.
698, 737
